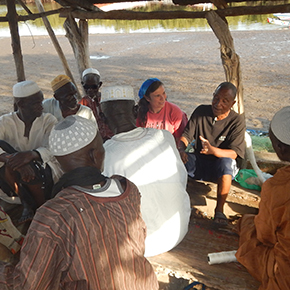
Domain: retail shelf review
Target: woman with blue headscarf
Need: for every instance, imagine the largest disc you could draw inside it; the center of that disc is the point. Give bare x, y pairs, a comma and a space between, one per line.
154, 111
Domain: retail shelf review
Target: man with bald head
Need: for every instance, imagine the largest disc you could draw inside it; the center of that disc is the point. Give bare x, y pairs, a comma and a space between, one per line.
65, 102
91, 234
27, 166
218, 134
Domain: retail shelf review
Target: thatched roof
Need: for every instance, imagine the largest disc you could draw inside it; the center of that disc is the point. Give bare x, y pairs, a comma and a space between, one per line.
85, 9
224, 8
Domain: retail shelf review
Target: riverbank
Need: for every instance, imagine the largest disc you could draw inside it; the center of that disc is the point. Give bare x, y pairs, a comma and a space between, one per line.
188, 63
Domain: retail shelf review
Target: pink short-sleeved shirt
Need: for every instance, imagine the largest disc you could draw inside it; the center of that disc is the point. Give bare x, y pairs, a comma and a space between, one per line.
170, 118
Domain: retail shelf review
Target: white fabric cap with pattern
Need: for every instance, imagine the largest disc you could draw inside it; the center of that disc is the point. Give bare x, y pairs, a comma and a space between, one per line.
25, 89
71, 135
115, 93
90, 71
280, 125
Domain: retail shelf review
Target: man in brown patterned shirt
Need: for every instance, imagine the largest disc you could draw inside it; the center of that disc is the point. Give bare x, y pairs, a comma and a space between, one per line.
91, 234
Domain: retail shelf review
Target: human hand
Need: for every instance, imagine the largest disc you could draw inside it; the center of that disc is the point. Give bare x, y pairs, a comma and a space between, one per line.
19, 159
184, 156
26, 172
206, 147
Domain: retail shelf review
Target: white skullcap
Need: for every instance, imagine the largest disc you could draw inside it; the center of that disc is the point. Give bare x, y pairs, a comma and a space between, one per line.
25, 89
90, 71
115, 93
71, 134
280, 125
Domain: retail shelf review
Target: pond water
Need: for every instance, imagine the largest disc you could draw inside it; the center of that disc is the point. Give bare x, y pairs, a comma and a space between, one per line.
249, 22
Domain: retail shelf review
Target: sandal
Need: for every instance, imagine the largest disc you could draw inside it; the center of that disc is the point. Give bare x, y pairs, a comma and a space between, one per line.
220, 219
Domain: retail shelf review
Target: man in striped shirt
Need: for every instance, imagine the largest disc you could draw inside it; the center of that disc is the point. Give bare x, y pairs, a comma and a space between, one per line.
91, 234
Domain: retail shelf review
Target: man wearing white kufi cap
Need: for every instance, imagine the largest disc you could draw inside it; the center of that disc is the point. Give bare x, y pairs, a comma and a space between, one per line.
64, 102
26, 162
91, 83
265, 238
91, 234
149, 158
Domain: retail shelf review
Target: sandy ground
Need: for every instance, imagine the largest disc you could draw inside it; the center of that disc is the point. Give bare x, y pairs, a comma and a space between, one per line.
188, 63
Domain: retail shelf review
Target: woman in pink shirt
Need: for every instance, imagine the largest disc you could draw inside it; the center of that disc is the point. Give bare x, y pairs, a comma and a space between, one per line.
154, 111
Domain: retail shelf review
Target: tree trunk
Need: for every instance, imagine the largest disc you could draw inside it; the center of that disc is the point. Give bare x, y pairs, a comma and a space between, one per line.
15, 39
55, 43
78, 37
230, 59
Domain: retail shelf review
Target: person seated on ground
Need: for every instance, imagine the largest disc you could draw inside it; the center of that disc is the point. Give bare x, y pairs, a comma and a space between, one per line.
154, 111
149, 158
91, 234
264, 247
218, 134
65, 101
27, 166
91, 84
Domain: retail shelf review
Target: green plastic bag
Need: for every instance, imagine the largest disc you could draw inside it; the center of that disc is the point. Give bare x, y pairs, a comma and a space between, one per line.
248, 178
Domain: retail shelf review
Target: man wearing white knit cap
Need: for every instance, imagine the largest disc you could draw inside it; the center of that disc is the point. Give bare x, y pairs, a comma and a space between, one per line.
27, 166
149, 158
91, 234
91, 84
64, 103
265, 238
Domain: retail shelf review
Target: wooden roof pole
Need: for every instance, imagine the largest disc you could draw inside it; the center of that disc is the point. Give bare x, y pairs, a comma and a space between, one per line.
15, 39
78, 36
55, 43
230, 59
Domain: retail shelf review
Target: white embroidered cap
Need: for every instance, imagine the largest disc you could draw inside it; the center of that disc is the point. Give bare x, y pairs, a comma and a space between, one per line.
90, 71
25, 89
71, 134
280, 125
115, 93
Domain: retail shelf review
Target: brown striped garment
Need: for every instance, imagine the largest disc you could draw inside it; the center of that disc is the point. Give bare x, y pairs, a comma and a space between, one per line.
77, 241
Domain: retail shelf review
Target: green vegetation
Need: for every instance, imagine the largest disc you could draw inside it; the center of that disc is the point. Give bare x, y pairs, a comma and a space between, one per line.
262, 144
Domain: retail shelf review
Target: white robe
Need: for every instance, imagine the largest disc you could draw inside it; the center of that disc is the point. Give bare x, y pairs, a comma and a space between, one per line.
52, 106
149, 158
12, 131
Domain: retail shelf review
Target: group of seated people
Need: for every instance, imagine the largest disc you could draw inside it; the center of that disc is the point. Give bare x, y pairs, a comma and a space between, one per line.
105, 180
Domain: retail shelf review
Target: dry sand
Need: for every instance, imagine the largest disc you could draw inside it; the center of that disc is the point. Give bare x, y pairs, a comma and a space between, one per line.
188, 63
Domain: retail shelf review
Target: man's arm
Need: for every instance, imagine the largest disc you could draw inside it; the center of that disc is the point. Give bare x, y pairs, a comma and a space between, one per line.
16, 160
38, 268
187, 137
182, 144
208, 149
43, 151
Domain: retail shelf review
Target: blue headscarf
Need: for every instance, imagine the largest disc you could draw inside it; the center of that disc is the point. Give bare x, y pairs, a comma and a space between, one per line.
145, 86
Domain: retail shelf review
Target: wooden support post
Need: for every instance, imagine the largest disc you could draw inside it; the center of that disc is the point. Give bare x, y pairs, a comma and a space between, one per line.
78, 37
15, 39
24, 7
230, 59
56, 44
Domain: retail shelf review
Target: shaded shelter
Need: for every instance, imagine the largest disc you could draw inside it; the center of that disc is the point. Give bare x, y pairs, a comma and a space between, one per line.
73, 10
77, 32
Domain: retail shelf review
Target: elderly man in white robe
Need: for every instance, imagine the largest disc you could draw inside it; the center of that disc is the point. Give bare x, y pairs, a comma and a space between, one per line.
65, 103
27, 166
149, 158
